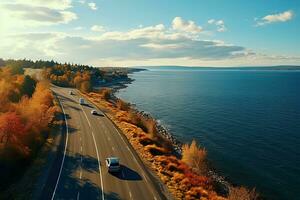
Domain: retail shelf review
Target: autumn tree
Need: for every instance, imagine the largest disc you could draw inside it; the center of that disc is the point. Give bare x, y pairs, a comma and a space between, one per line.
12, 131
195, 157
85, 86
38, 110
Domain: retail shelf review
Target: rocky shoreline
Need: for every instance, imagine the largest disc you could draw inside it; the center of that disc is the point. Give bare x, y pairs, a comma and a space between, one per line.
220, 183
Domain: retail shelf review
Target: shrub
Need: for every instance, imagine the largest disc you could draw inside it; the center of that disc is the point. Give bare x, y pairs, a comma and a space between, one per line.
155, 150
194, 156
122, 105
106, 93
144, 140
178, 177
172, 167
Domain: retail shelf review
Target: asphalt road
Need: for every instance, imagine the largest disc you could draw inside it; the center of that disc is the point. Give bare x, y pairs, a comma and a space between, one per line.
81, 172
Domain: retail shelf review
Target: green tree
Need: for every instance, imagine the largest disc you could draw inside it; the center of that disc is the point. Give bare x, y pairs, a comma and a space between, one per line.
28, 86
16, 68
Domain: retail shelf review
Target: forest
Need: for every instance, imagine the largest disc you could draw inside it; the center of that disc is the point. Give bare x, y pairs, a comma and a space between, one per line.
27, 111
82, 77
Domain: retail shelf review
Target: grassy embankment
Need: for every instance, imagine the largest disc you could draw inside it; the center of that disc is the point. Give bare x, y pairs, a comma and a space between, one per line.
27, 117
185, 177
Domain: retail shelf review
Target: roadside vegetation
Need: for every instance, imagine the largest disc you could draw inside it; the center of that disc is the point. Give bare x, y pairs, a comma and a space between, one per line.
186, 176
27, 112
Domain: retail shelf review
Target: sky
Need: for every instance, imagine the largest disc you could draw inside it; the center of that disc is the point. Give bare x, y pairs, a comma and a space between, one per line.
147, 33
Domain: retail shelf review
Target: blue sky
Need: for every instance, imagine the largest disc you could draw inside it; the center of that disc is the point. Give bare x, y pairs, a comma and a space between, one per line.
139, 32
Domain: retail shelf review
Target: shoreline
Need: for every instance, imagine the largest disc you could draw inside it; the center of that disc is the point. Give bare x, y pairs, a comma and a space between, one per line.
220, 183
223, 184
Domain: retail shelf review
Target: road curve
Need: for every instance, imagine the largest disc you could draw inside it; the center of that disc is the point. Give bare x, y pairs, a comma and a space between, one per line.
81, 172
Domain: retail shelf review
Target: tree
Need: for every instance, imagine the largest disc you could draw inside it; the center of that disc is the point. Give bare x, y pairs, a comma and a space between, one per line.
16, 68
85, 86
11, 128
28, 86
2, 62
194, 156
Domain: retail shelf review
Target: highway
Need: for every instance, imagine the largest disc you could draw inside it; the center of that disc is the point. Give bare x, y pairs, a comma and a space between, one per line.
81, 172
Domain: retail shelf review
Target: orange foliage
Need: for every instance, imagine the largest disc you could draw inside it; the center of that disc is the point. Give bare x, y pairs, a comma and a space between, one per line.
23, 119
105, 93
12, 130
194, 156
38, 110
69, 76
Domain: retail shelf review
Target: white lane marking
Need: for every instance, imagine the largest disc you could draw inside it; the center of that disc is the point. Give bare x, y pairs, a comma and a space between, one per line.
100, 173
155, 198
65, 150
86, 116
80, 139
113, 148
127, 148
145, 177
78, 195
80, 174
80, 148
130, 195
108, 138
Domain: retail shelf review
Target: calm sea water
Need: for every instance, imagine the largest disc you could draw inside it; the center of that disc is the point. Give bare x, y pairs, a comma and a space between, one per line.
249, 121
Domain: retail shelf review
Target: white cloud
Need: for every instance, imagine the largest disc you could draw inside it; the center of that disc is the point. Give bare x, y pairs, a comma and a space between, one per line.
81, 1
186, 26
135, 45
139, 51
219, 24
52, 4
161, 46
151, 32
280, 17
97, 28
35, 15
211, 21
78, 28
92, 6
152, 45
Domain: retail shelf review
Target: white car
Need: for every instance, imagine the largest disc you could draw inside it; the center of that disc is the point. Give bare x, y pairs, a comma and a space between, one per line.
94, 112
113, 164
